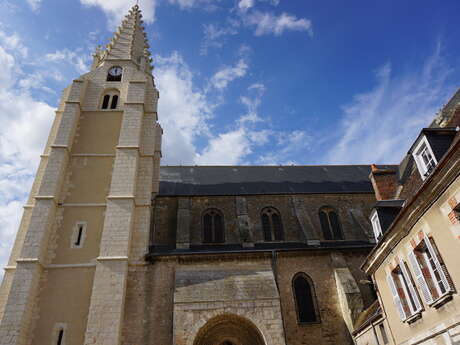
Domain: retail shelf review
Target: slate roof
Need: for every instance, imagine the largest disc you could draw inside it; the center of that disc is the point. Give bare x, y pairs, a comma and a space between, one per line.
253, 180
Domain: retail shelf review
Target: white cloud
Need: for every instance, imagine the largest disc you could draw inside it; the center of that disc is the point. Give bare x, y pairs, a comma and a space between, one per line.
252, 103
371, 130
226, 149
25, 127
115, 10
244, 5
183, 3
269, 23
13, 42
233, 146
286, 148
78, 59
34, 4
227, 74
182, 108
214, 36
209, 5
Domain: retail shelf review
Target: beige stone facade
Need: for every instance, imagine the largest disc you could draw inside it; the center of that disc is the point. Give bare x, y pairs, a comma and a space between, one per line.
423, 307
108, 254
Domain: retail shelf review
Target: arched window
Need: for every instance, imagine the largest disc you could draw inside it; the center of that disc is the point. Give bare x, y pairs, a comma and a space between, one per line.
330, 224
105, 102
305, 299
213, 226
110, 99
271, 224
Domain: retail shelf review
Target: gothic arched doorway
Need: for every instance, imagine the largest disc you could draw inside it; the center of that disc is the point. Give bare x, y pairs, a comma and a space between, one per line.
229, 330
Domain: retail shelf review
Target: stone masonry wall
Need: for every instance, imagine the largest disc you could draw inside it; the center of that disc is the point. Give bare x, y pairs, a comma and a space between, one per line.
353, 210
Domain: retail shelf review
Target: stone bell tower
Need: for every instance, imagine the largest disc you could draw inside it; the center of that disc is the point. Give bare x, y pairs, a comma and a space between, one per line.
86, 222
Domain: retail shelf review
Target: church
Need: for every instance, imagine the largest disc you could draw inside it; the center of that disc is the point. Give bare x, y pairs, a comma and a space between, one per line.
115, 249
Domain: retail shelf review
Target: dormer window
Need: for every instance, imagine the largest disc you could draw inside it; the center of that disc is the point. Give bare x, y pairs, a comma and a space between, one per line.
378, 233
430, 147
383, 215
424, 158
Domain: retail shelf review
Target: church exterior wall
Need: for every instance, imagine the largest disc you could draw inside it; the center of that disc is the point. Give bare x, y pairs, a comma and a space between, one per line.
64, 299
152, 288
353, 210
319, 267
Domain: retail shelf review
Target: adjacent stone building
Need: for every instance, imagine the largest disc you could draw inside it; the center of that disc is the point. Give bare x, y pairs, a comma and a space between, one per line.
115, 249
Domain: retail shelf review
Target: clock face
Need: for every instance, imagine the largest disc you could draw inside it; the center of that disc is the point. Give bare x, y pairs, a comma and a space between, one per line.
115, 71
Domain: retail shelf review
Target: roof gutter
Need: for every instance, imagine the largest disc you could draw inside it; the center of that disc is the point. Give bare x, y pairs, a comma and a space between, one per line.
150, 256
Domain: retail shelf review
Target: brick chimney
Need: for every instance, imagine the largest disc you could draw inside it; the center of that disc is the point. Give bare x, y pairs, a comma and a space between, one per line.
384, 182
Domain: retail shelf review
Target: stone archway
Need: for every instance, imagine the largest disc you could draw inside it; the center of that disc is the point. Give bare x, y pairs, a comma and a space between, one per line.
229, 330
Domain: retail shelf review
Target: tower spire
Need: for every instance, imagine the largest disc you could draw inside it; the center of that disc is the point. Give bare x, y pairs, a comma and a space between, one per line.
128, 43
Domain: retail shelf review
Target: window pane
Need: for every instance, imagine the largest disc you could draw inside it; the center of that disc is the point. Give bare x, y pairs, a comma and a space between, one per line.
114, 102
383, 333
218, 229
277, 227
335, 223
207, 228
304, 300
325, 225
105, 102
60, 336
266, 227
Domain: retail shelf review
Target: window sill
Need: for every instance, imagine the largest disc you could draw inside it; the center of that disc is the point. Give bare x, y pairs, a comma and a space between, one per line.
302, 324
413, 318
442, 300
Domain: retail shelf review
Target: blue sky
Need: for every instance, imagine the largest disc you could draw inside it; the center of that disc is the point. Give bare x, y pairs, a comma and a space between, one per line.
241, 81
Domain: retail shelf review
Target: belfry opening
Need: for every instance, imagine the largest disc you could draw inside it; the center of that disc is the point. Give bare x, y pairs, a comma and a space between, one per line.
229, 330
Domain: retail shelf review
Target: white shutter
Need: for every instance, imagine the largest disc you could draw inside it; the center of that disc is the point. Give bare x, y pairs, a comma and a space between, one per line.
419, 278
435, 256
396, 299
407, 276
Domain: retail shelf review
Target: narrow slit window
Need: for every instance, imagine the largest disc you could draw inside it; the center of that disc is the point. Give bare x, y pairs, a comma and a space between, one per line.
79, 234
60, 337
114, 103
105, 102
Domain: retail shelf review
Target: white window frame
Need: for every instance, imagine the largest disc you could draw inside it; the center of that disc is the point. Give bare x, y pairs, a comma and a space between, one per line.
429, 298
409, 289
383, 333
75, 233
375, 221
435, 261
396, 298
422, 168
